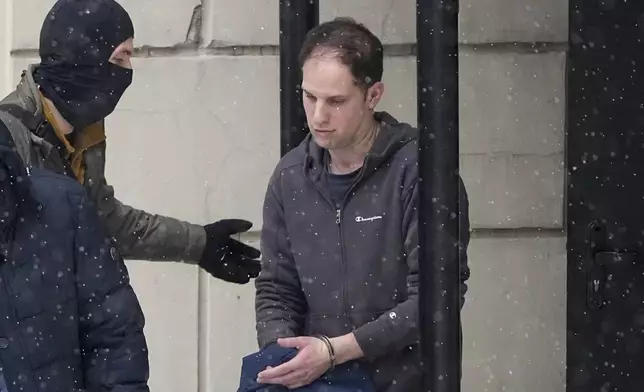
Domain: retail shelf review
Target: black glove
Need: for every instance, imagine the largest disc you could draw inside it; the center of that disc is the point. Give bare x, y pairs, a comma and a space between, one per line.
226, 258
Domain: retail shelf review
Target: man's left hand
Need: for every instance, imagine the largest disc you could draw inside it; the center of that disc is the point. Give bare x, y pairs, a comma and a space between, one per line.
311, 362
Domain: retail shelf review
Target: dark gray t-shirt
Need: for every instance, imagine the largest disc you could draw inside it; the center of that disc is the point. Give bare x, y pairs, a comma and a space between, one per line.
339, 185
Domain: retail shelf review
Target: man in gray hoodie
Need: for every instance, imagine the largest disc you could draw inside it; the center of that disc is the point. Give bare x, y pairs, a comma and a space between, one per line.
339, 279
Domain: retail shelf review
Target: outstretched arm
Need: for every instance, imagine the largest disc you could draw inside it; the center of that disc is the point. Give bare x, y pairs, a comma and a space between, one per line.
141, 235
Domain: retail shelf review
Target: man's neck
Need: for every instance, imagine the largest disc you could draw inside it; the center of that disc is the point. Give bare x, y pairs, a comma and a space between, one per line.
348, 160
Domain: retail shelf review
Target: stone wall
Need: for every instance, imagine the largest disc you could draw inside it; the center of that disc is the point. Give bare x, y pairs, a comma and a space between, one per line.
197, 135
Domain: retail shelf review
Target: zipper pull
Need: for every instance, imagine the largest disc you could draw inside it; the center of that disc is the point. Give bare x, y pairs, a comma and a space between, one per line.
337, 216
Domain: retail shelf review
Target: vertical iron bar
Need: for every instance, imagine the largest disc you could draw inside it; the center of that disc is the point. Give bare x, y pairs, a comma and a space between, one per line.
297, 17
438, 155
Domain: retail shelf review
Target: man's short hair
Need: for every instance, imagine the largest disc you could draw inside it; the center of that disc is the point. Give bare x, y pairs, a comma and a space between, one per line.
352, 43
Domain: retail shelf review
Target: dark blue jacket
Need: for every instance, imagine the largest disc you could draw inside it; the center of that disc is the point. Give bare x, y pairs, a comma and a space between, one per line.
69, 319
348, 377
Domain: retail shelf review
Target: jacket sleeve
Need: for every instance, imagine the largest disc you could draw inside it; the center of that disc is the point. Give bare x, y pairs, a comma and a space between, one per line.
398, 328
280, 304
141, 235
111, 322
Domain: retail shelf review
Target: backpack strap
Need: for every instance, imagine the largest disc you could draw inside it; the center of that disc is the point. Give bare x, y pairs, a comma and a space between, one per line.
27, 118
43, 130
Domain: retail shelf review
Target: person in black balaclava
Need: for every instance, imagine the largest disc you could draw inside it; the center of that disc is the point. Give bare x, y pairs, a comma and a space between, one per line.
76, 44
56, 117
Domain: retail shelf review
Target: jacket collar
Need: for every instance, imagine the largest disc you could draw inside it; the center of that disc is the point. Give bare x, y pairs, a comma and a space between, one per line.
27, 91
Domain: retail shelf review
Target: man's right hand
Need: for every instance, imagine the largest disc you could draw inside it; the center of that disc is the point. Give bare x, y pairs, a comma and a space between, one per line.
226, 258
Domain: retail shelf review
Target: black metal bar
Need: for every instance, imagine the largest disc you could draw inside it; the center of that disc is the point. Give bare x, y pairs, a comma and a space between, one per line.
297, 17
438, 153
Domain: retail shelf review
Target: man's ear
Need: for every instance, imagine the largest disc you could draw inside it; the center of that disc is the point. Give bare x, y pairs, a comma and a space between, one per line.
374, 94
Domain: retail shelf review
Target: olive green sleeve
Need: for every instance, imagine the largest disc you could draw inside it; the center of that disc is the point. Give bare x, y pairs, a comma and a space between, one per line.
139, 234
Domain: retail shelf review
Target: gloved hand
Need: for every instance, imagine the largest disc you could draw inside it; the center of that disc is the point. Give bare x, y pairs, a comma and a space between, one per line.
226, 258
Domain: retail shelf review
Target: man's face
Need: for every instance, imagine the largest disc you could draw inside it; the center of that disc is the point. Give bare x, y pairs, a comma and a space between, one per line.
122, 54
335, 105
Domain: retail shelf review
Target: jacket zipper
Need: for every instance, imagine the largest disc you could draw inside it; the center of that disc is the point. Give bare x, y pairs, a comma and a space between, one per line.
345, 310
338, 221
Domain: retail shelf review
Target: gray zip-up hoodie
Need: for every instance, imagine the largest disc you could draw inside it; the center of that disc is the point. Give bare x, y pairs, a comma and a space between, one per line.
328, 271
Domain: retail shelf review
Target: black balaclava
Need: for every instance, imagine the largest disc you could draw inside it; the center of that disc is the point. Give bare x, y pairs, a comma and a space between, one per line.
76, 41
